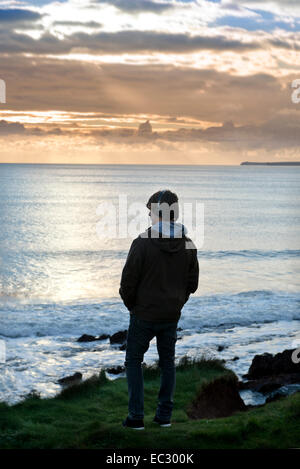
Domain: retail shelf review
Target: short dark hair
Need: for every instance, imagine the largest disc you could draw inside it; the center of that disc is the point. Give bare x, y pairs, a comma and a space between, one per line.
164, 197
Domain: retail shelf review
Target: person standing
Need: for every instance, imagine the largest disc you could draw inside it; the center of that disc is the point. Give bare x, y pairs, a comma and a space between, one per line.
158, 277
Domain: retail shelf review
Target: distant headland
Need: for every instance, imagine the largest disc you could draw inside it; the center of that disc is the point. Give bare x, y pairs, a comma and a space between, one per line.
281, 163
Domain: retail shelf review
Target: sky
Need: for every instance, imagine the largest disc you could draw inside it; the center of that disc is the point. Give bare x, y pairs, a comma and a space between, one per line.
149, 81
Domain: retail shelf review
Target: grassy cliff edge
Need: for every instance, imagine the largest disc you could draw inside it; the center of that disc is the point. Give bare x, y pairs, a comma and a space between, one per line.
89, 415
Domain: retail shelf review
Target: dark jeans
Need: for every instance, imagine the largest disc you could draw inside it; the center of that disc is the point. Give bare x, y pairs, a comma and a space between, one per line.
140, 333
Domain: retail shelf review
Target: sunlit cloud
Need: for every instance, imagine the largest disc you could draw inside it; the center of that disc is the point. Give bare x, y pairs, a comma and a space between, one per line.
213, 78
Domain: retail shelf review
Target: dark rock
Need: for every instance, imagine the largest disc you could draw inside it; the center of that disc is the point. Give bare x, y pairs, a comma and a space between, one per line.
219, 398
251, 406
265, 388
270, 372
270, 365
274, 398
220, 348
123, 347
33, 394
86, 338
92, 338
116, 370
119, 337
179, 329
103, 337
268, 384
234, 359
70, 380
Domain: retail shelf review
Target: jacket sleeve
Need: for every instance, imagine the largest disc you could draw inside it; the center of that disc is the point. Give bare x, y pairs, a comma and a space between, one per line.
193, 274
131, 273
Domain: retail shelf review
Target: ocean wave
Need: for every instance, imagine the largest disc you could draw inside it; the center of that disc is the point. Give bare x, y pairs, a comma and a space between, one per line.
245, 308
104, 253
121, 254
253, 293
248, 253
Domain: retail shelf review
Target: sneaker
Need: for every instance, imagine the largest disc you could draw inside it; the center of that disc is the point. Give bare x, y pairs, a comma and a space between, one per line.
134, 424
162, 423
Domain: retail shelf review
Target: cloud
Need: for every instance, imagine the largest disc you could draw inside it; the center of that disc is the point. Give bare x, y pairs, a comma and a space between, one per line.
142, 41
120, 42
255, 24
290, 3
17, 15
186, 30
208, 95
137, 6
271, 135
281, 131
89, 24
11, 128
277, 133
192, 64
282, 7
277, 138
145, 128
19, 129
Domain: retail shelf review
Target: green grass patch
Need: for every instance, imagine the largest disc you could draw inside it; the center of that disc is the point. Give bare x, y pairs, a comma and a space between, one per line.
89, 415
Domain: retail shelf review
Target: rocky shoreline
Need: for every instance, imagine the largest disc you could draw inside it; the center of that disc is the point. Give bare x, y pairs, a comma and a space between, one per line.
268, 375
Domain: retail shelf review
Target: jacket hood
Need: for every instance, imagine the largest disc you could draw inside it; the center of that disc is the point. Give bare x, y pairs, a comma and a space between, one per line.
168, 236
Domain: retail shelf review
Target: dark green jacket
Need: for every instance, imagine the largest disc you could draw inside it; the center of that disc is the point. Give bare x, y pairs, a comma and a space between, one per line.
159, 275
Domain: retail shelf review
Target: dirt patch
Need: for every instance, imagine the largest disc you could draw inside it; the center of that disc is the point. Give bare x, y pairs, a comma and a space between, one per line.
219, 398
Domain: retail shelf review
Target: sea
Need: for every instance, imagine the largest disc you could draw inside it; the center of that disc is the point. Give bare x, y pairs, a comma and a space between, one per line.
60, 266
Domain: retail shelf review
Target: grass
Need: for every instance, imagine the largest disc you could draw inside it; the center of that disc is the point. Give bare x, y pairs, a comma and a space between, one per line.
89, 416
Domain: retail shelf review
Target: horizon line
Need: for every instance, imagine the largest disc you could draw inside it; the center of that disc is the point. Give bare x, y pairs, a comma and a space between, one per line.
118, 164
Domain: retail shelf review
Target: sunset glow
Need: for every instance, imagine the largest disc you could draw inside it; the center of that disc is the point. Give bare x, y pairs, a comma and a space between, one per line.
213, 78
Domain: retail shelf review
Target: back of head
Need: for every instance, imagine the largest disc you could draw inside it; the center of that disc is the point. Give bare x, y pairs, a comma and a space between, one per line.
164, 204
